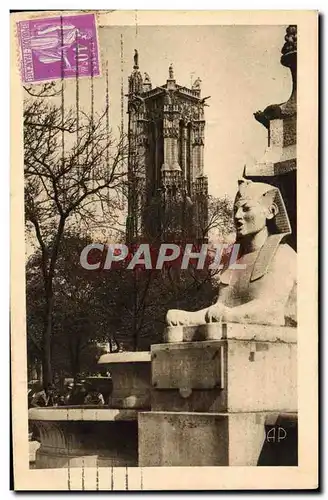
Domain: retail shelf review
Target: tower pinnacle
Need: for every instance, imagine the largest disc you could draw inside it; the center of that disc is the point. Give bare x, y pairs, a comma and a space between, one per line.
171, 73
135, 79
136, 59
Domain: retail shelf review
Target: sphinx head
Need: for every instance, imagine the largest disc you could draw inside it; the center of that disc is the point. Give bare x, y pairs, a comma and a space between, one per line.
258, 205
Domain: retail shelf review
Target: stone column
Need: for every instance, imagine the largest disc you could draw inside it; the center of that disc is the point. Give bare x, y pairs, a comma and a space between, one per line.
198, 149
167, 146
136, 171
184, 147
190, 167
170, 137
201, 204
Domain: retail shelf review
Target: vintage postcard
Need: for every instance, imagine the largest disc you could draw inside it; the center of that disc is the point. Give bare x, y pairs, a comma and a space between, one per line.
164, 237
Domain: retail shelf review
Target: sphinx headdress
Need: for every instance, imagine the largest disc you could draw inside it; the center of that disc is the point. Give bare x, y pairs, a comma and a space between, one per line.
247, 189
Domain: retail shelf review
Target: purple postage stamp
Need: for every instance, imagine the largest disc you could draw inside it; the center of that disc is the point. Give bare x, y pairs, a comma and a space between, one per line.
58, 47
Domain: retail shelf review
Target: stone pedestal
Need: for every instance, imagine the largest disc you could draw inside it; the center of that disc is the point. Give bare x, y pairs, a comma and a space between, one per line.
130, 372
200, 439
33, 447
242, 372
216, 439
210, 399
79, 437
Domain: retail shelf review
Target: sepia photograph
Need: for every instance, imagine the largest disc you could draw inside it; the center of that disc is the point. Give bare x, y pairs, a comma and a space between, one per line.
159, 289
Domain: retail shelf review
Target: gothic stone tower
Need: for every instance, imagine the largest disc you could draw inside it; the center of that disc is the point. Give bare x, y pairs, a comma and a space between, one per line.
168, 190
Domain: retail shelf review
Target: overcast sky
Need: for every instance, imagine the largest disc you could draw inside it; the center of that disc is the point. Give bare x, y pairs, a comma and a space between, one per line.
239, 67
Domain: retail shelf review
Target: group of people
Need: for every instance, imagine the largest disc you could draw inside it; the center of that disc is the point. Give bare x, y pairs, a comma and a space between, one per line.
80, 392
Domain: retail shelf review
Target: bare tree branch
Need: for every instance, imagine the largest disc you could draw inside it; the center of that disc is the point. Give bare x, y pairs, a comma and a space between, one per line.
65, 188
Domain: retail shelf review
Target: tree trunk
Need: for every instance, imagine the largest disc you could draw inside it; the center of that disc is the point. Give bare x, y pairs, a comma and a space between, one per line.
135, 312
46, 340
77, 358
39, 370
75, 354
73, 371
48, 285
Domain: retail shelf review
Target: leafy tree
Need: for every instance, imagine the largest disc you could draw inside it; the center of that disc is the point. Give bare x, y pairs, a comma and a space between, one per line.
78, 320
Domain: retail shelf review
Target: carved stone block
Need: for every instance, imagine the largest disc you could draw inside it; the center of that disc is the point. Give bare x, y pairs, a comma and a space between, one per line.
202, 439
236, 374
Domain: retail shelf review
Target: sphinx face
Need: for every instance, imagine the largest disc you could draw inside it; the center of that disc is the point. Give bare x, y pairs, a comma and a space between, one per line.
250, 216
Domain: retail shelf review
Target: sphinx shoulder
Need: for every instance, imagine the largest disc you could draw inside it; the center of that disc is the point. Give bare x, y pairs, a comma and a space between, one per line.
285, 259
286, 251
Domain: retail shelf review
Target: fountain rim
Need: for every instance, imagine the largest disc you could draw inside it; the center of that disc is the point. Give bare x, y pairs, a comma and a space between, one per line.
125, 357
81, 414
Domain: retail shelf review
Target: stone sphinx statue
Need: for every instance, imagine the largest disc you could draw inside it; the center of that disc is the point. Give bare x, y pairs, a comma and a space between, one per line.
264, 291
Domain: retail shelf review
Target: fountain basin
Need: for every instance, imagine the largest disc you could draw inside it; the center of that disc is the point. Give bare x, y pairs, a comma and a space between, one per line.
85, 437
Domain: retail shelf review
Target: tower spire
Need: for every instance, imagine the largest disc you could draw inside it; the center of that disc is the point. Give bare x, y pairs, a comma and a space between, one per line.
136, 59
171, 73
135, 79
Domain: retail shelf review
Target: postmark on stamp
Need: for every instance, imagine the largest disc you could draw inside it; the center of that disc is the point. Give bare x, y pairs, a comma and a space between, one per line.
58, 47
